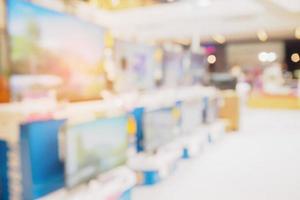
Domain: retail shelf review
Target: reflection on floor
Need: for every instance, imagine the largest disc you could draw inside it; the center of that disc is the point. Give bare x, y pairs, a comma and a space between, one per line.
261, 162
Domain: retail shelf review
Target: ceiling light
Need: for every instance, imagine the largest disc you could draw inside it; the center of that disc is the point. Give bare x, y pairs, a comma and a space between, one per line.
219, 39
262, 35
295, 57
262, 57
204, 3
211, 59
272, 57
297, 33
267, 57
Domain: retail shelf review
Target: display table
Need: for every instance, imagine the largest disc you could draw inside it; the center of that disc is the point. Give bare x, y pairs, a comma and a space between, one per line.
262, 100
31, 132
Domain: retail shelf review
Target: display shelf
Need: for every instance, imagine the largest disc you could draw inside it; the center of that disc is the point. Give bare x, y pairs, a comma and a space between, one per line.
151, 169
113, 185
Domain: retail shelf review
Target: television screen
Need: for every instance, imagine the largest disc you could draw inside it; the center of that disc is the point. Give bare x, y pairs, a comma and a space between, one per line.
94, 147
191, 115
137, 62
193, 68
160, 127
198, 67
173, 72
53, 51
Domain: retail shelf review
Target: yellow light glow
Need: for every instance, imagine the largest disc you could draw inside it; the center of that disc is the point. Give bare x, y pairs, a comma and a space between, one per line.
295, 57
211, 59
219, 39
262, 35
297, 33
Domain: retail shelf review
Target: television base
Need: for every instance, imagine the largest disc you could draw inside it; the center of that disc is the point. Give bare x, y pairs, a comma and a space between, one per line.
152, 168
194, 144
216, 131
113, 185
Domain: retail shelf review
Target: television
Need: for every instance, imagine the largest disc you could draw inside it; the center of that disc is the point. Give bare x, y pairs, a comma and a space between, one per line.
137, 64
173, 71
210, 110
52, 51
198, 67
94, 147
160, 127
191, 115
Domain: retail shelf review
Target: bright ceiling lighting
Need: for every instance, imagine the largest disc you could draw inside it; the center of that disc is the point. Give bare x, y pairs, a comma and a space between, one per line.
203, 3
267, 57
262, 35
211, 59
272, 56
219, 38
295, 57
297, 33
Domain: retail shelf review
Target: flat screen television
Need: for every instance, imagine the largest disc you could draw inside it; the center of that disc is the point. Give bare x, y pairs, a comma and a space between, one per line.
94, 147
137, 63
198, 67
53, 51
173, 72
191, 115
160, 127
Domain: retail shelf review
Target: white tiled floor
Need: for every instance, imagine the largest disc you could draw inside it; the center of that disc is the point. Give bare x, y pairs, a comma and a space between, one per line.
261, 162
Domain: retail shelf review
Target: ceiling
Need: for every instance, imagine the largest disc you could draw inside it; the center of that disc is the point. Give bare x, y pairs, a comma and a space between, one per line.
187, 19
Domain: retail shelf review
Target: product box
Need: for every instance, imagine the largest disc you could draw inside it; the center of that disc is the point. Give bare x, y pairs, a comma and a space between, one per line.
230, 110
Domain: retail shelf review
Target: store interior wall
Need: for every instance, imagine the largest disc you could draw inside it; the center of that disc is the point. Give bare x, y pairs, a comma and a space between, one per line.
245, 54
221, 62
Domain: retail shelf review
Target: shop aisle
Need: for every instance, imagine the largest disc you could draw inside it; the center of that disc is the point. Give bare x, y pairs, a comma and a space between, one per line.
262, 162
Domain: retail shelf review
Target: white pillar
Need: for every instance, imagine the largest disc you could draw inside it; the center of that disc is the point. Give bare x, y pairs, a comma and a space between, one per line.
195, 46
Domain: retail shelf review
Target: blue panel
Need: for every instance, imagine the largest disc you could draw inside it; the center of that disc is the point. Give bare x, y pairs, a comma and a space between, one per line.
4, 194
138, 114
185, 153
151, 177
42, 170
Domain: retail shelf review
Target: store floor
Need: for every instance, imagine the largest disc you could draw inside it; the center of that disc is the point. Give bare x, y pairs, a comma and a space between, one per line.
261, 162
